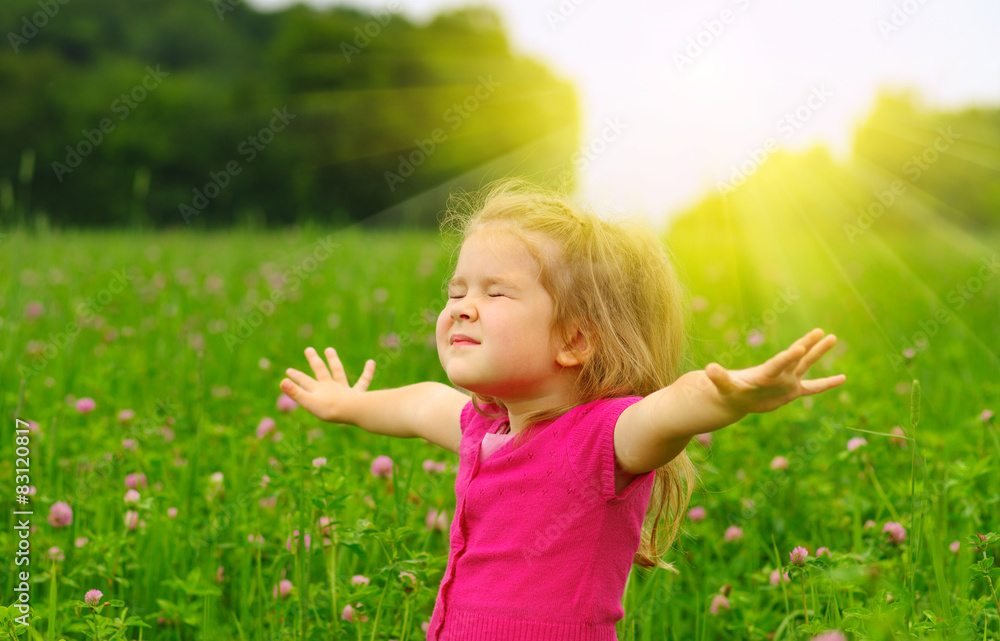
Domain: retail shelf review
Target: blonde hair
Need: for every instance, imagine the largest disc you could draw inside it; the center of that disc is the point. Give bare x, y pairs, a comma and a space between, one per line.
616, 282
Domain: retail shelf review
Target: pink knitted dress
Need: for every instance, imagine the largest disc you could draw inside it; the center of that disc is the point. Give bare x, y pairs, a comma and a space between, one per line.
541, 542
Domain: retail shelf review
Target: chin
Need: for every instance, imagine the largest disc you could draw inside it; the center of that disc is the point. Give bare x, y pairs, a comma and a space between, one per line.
461, 381
465, 383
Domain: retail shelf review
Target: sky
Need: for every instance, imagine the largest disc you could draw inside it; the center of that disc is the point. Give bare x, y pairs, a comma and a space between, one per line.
674, 95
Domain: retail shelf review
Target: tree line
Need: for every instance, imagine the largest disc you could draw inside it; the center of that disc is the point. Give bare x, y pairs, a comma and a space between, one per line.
209, 113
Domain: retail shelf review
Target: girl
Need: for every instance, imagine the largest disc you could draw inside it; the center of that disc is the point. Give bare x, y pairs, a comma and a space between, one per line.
567, 331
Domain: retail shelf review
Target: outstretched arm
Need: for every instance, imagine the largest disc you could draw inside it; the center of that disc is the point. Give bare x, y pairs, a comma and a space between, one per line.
653, 431
429, 410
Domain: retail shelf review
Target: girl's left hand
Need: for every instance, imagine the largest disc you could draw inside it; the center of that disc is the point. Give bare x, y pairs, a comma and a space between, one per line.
777, 381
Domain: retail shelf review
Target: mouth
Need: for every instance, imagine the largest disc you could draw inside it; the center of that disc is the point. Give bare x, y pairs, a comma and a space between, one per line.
462, 340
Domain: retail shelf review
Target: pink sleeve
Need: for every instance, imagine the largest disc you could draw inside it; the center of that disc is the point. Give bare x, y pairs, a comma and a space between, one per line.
592, 448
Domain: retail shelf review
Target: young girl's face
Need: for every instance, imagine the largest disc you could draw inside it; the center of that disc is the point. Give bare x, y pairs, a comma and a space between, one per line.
495, 299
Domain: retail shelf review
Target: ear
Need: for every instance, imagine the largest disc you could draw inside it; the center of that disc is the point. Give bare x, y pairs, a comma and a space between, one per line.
578, 348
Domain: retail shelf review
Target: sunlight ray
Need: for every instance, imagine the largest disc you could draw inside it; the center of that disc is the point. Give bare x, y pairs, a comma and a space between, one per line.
887, 252
767, 215
898, 133
795, 207
877, 177
500, 166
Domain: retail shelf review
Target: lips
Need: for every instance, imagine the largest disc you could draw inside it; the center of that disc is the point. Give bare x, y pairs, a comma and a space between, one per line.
457, 339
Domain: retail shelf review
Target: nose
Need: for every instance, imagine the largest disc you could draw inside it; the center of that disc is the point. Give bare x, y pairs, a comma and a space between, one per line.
461, 309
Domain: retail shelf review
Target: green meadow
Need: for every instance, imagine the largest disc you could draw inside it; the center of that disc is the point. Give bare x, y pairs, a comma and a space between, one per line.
160, 486
180, 339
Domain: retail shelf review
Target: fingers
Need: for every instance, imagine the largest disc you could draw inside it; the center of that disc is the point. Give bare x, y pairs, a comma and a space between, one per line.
290, 389
818, 385
336, 372
783, 360
303, 397
317, 364
336, 366
718, 375
809, 339
801, 347
304, 381
817, 351
366, 377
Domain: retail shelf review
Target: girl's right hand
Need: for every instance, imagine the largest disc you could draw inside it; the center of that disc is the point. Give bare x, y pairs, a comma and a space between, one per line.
326, 396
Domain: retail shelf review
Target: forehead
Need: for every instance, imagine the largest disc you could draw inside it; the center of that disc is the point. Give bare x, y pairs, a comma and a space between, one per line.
496, 257
510, 281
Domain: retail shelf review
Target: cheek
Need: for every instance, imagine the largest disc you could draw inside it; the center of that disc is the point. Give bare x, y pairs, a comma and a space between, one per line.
442, 322
439, 332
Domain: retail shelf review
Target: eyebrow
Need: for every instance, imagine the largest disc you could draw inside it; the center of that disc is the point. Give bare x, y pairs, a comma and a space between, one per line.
491, 280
